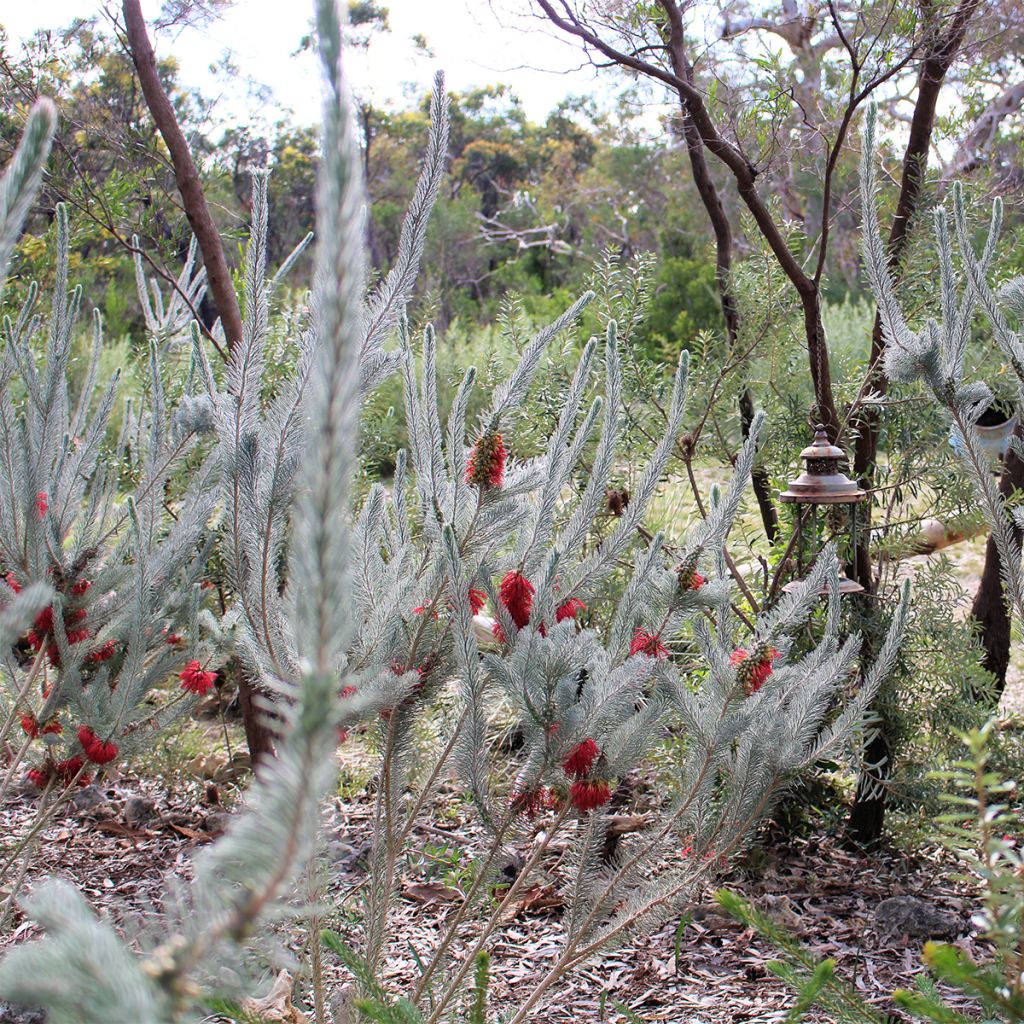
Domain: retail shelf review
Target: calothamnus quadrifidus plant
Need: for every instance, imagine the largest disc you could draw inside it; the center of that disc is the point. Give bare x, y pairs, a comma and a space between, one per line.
934, 354
102, 520
379, 619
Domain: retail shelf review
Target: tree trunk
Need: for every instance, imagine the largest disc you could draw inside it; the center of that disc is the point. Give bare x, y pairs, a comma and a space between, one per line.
258, 737
867, 815
712, 201
185, 174
990, 609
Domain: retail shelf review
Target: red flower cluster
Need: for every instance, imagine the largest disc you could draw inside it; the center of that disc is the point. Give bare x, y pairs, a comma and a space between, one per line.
477, 599
516, 594
581, 758
486, 466
103, 653
33, 729
753, 672
647, 644
42, 628
95, 749
589, 794
65, 771
569, 609
347, 691
195, 680
173, 639
534, 801
42, 503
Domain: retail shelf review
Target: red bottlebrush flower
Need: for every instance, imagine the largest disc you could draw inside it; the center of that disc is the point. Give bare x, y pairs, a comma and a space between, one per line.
589, 794
754, 672
569, 609
421, 608
30, 726
42, 503
486, 466
348, 691
534, 801
95, 749
195, 680
517, 596
648, 644
477, 599
104, 653
697, 581
342, 734
581, 758
38, 777
43, 622
173, 639
12, 582
498, 632
80, 587
68, 769
76, 636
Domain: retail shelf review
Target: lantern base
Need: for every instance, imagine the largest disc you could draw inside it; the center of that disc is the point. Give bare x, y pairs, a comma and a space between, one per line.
846, 586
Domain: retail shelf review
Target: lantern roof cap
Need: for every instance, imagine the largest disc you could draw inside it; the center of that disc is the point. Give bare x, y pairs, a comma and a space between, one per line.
822, 482
821, 447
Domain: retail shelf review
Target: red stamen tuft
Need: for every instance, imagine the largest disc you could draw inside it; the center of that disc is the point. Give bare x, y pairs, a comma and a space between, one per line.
588, 795
648, 644
581, 758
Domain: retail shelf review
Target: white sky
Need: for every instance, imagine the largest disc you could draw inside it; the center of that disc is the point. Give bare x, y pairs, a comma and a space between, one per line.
475, 42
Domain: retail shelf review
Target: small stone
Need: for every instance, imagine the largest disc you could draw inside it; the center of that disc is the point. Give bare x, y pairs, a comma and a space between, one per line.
88, 797
138, 810
11, 1014
216, 821
915, 918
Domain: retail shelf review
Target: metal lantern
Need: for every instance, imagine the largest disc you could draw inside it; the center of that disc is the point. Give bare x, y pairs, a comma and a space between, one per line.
822, 483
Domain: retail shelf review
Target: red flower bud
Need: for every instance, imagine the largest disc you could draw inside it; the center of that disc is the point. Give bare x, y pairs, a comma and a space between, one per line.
42, 503
104, 653
753, 673
486, 466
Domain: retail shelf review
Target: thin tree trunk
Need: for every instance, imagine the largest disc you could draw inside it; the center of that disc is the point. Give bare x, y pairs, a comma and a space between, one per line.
867, 815
258, 736
712, 201
990, 609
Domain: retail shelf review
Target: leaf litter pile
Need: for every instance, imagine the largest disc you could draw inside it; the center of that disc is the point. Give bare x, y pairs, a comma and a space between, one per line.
125, 835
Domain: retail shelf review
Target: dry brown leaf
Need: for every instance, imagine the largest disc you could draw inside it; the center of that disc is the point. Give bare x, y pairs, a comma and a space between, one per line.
276, 1005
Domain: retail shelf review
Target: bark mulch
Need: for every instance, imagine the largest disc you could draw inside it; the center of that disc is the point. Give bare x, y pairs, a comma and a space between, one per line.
126, 836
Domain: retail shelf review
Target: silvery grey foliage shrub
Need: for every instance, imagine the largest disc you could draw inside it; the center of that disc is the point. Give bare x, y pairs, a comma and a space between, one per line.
91, 517
935, 353
83, 971
378, 619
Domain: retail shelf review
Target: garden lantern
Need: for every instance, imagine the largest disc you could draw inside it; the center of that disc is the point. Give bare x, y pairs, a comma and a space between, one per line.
822, 483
